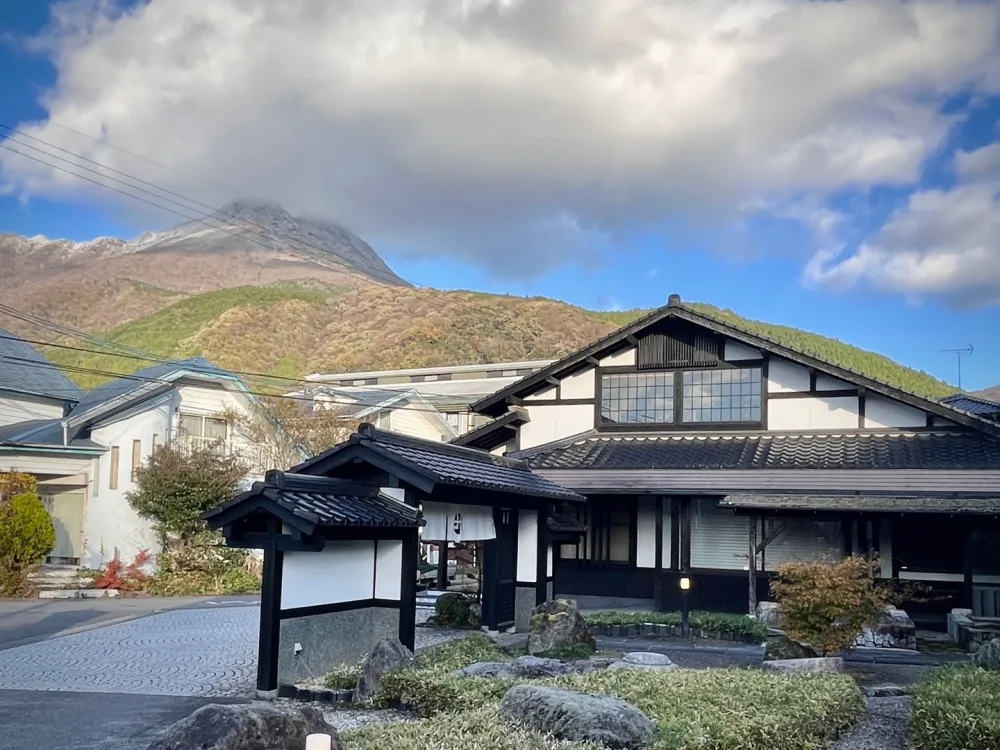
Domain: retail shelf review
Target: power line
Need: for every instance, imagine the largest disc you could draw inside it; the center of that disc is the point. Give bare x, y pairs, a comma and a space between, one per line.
214, 212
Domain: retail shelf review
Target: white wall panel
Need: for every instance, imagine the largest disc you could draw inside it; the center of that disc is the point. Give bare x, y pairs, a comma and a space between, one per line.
826, 383
580, 385
736, 351
550, 423
527, 546
812, 413
785, 377
719, 539
621, 359
667, 528
547, 395
342, 572
18, 408
645, 553
388, 569
882, 412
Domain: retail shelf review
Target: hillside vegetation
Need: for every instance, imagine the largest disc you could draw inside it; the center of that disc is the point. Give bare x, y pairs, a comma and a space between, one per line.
291, 330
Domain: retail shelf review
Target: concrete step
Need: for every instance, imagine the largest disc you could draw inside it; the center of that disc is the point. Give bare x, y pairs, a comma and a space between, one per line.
77, 593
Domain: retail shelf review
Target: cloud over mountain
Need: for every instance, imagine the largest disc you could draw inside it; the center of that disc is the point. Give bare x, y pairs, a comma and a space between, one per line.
525, 134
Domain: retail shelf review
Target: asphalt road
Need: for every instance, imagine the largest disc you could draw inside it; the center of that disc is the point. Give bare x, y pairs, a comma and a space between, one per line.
28, 621
89, 721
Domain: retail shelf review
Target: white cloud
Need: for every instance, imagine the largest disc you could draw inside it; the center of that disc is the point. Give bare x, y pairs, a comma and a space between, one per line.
519, 134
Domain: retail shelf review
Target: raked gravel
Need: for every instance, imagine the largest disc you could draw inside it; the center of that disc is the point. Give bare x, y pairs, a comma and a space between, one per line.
886, 726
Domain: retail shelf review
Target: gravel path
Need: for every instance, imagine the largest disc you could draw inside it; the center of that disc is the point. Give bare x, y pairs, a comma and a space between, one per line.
886, 726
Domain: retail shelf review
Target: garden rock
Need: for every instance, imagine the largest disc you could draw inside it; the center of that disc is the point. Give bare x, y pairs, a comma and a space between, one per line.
885, 691
768, 614
388, 655
646, 660
988, 655
825, 665
557, 624
246, 727
530, 667
783, 647
578, 717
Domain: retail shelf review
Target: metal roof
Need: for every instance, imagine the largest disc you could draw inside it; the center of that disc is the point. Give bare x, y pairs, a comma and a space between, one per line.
864, 504
42, 433
24, 370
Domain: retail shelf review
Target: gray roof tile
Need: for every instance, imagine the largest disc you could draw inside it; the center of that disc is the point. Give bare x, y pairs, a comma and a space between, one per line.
24, 370
904, 450
871, 503
981, 407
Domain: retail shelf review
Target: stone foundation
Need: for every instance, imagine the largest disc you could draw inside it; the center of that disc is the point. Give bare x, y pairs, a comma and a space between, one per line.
971, 632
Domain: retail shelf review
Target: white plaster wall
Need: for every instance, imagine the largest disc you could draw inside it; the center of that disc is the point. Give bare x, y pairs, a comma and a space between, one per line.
645, 536
624, 358
43, 465
417, 423
826, 383
784, 377
667, 528
342, 572
580, 385
527, 546
110, 522
18, 408
737, 351
546, 395
388, 569
550, 423
548, 566
808, 413
882, 412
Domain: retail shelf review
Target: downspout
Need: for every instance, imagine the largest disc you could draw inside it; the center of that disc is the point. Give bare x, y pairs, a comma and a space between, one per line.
65, 427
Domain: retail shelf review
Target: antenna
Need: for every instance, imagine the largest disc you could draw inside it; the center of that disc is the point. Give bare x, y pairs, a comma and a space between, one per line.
958, 356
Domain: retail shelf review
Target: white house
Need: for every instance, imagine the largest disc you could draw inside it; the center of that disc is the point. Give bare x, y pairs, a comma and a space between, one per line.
85, 448
405, 411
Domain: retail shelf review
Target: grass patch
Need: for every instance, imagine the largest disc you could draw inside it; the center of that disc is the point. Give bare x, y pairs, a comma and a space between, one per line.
957, 708
728, 709
715, 622
344, 677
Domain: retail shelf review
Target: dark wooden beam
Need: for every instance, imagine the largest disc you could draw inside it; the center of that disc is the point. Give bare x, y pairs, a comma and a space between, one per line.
270, 620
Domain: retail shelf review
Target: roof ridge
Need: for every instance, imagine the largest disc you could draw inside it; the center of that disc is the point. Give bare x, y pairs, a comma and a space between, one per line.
368, 431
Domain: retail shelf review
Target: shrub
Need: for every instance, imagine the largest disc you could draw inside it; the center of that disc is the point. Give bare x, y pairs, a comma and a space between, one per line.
26, 537
958, 708
206, 567
454, 610
717, 622
828, 605
461, 653
344, 677
129, 577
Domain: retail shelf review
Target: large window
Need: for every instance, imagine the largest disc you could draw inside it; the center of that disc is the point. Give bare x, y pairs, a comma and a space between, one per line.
722, 395
713, 396
638, 398
204, 432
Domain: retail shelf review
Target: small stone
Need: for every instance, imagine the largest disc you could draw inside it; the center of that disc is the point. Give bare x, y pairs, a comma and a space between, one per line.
821, 665
389, 655
578, 717
646, 660
783, 647
884, 691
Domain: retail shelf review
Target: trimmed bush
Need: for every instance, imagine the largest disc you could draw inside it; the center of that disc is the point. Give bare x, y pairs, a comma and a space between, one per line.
958, 708
739, 627
461, 653
454, 610
727, 709
26, 537
828, 605
344, 677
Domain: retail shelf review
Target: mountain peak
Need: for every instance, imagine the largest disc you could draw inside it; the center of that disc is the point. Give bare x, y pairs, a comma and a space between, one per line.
248, 208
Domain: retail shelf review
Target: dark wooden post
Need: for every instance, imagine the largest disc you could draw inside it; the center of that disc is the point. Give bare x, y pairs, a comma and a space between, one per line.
752, 565
442, 578
270, 620
658, 555
542, 561
968, 588
408, 591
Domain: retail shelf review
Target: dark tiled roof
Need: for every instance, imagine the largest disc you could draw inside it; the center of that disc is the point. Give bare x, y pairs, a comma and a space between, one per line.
448, 464
873, 503
495, 433
24, 370
144, 379
981, 407
903, 450
328, 502
41, 432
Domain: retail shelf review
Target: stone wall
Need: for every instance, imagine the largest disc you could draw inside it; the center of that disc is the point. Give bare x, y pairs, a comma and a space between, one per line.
331, 639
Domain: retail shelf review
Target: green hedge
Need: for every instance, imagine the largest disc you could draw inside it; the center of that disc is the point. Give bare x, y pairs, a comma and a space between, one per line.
727, 709
740, 626
958, 708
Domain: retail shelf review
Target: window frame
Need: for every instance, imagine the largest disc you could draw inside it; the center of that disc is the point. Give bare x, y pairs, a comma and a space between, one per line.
678, 425
201, 440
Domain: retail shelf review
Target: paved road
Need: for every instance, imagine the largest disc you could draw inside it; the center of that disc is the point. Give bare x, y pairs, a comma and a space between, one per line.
29, 621
89, 721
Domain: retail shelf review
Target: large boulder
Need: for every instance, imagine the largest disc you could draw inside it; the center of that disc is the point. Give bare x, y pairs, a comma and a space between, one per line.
988, 655
578, 717
388, 655
823, 665
557, 624
645, 660
783, 647
530, 667
246, 727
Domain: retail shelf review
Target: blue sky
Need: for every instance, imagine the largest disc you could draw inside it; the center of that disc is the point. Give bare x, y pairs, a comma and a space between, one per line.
755, 262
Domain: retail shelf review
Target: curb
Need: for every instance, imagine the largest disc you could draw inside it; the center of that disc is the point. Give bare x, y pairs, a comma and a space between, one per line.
316, 695
657, 631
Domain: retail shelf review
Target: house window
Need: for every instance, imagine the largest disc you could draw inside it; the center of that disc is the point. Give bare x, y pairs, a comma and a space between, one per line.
203, 432
609, 532
722, 395
136, 458
638, 398
113, 481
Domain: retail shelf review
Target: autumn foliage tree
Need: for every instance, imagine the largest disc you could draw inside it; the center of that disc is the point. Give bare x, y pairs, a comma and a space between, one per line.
828, 605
